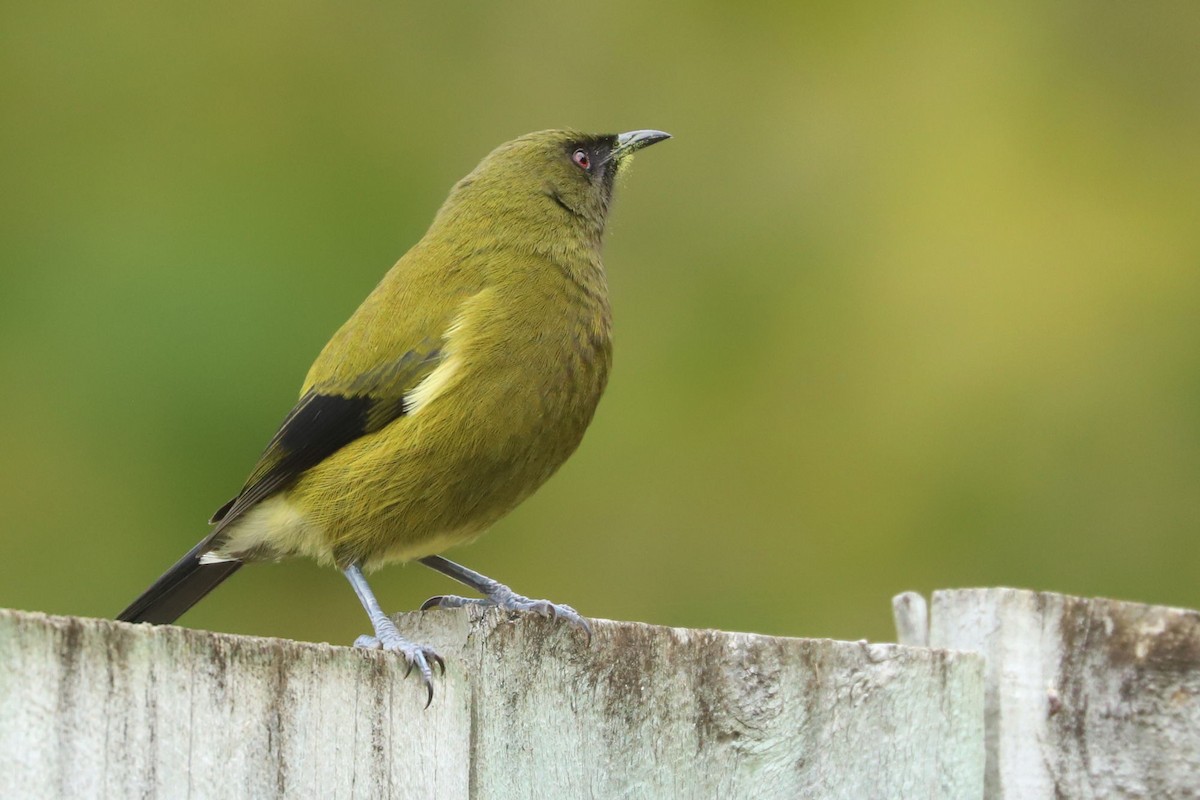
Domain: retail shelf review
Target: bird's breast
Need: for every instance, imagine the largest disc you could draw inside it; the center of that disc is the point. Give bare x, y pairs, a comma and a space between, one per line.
531, 374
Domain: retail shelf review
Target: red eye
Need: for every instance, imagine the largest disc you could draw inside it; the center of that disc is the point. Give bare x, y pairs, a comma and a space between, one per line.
580, 157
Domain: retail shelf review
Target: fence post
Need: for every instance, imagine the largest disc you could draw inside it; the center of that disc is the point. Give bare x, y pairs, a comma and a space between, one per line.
1086, 698
92, 708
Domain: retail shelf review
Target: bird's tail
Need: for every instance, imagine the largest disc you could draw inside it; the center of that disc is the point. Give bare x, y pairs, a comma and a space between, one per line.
179, 588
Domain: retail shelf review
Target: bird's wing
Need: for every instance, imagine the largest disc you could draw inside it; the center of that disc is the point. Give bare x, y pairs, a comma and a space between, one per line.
359, 382
328, 416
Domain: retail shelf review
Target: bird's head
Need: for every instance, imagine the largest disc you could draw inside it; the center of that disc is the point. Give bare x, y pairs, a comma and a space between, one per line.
550, 178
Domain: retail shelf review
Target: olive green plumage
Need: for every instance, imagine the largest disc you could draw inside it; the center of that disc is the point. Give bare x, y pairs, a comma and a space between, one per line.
463, 381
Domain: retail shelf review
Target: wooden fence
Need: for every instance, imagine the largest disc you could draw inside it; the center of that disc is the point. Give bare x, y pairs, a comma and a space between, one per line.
1020, 695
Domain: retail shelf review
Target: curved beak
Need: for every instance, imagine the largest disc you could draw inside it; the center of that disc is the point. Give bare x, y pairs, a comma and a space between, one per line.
635, 140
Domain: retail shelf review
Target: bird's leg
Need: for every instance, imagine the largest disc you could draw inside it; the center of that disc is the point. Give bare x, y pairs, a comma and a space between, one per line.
387, 635
496, 594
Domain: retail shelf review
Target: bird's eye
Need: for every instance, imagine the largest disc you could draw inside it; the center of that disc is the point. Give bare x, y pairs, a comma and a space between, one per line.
581, 159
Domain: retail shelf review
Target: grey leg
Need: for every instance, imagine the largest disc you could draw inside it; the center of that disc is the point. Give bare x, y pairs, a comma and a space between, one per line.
387, 635
496, 594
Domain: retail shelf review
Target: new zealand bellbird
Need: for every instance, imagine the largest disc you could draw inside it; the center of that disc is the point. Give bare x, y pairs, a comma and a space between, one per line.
463, 381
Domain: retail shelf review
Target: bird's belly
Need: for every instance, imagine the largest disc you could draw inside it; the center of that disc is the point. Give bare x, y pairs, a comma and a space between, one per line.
428, 482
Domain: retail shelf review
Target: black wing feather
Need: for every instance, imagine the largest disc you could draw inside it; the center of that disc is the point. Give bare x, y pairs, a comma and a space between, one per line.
315, 429
325, 421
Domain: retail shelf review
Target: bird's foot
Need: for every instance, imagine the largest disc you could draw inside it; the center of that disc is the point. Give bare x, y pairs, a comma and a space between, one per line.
387, 637
506, 599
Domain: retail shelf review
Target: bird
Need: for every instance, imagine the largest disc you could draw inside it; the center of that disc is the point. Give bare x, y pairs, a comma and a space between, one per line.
457, 388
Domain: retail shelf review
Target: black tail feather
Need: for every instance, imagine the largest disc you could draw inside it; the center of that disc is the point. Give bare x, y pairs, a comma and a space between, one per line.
179, 588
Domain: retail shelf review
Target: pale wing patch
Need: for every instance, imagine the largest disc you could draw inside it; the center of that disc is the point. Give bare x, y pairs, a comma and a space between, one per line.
433, 385
446, 373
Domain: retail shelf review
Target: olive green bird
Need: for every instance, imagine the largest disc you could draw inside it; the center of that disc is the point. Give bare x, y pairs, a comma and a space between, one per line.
463, 381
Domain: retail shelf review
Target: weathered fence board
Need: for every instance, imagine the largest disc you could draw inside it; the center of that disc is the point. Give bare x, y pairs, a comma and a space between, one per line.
91, 708
1086, 698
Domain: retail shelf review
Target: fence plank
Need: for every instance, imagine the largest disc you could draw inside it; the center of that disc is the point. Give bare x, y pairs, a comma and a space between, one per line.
92, 708
1086, 698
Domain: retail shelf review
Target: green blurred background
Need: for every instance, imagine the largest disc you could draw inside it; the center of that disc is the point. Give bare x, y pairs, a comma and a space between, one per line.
910, 301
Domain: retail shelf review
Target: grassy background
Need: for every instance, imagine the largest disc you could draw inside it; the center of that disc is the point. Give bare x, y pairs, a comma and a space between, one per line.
910, 301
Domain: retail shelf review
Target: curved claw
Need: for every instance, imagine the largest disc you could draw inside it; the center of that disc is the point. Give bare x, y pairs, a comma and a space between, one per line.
426, 673
587, 628
433, 602
414, 656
